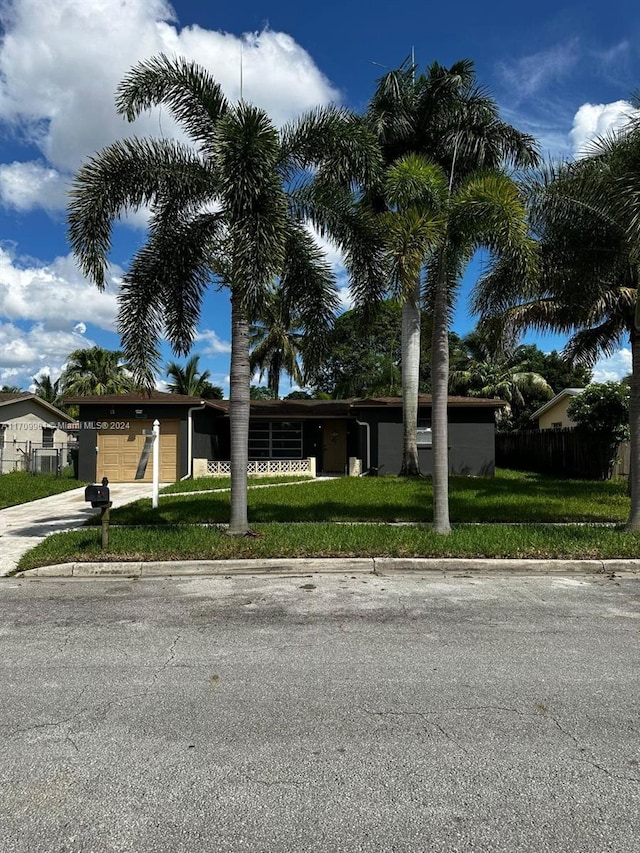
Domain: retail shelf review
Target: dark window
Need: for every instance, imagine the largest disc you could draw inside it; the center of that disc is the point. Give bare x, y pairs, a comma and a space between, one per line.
47, 437
275, 440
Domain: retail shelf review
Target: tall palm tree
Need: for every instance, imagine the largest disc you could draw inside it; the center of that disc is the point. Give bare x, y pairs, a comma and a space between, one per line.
190, 380
95, 371
444, 116
221, 213
585, 213
291, 330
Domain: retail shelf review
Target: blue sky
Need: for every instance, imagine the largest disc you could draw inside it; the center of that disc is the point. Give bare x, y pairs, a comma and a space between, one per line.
562, 72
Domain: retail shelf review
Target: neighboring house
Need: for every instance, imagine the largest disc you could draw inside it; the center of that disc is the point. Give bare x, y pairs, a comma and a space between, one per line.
301, 436
553, 415
34, 435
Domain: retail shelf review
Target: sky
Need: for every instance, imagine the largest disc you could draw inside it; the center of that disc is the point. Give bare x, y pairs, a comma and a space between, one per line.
563, 72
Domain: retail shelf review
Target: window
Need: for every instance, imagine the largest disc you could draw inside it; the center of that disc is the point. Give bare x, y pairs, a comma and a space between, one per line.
275, 440
424, 433
47, 437
556, 425
2, 429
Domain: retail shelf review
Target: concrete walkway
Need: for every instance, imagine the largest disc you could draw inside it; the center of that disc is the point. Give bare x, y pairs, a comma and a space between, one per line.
24, 526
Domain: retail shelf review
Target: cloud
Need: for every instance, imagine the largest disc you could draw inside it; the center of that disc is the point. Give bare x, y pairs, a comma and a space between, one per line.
60, 65
54, 294
613, 368
593, 121
530, 74
28, 352
213, 345
25, 186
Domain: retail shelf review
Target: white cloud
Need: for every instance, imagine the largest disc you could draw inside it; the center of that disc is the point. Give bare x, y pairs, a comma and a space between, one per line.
597, 120
613, 368
33, 351
25, 186
213, 345
61, 62
55, 294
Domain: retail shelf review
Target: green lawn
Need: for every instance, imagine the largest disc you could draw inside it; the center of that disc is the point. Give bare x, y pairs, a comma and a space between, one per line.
511, 515
508, 497
19, 487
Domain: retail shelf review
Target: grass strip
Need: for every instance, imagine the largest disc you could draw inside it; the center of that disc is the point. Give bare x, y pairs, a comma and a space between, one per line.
508, 497
19, 487
194, 542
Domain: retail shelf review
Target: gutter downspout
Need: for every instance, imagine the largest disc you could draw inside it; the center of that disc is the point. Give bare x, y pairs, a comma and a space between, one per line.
198, 408
368, 426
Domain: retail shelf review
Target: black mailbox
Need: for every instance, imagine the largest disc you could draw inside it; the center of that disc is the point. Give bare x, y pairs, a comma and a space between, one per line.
98, 496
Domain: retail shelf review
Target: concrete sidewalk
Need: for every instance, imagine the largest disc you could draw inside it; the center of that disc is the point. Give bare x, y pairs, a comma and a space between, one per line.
24, 526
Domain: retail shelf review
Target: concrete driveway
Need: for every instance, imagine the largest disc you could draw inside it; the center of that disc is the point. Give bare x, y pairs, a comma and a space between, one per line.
24, 526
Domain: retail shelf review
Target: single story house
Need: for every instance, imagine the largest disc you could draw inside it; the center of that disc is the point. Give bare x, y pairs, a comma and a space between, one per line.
33, 433
299, 436
553, 414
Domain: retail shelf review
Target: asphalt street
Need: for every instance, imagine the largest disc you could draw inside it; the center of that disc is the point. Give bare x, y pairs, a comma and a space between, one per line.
320, 713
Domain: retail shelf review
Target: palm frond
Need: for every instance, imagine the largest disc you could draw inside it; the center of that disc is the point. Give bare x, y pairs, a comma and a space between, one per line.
190, 92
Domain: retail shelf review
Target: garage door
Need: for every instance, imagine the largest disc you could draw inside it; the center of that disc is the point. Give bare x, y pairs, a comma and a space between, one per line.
124, 451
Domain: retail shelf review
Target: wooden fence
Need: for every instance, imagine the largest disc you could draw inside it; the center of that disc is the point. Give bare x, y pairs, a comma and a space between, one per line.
563, 452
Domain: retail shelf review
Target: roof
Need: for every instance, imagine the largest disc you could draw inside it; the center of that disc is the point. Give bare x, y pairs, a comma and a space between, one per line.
566, 392
344, 408
135, 397
300, 408
14, 397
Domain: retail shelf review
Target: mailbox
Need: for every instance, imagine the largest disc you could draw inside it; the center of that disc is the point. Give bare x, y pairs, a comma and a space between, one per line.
98, 496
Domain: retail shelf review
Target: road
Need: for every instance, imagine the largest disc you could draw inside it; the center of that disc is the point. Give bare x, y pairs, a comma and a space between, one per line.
320, 713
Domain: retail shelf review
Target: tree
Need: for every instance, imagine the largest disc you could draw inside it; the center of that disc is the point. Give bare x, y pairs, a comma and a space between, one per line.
291, 330
48, 390
95, 371
11, 389
501, 380
363, 355
222, 212
602, 409
448, 119
601, 412
585, 214
191, 381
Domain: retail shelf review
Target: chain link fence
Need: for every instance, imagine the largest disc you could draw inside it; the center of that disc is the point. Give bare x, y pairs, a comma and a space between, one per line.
35, 458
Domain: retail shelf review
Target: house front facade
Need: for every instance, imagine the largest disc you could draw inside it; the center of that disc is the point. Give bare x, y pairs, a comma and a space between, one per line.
286, 436
34, 435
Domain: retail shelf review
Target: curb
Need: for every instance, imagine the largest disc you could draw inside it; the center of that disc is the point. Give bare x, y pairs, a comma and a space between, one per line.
359, 565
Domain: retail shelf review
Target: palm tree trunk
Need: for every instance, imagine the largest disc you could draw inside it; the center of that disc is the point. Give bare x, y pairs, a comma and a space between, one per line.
410, 383
440, 395
239, 398
633, 523
273, 375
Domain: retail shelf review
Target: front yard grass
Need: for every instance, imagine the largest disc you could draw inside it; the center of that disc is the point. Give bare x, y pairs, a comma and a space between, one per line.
512, 515
19, 487
508, 497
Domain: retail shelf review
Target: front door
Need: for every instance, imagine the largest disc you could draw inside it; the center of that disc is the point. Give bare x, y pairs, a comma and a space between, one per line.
334, 446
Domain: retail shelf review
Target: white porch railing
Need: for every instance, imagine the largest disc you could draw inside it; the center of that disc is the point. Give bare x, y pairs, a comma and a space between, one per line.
257, 468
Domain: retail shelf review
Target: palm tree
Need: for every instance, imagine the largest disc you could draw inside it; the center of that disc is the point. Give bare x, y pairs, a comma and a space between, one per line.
291, 330
191, 381
221, 212
447, 118
95, 371
48, 390
585, 213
